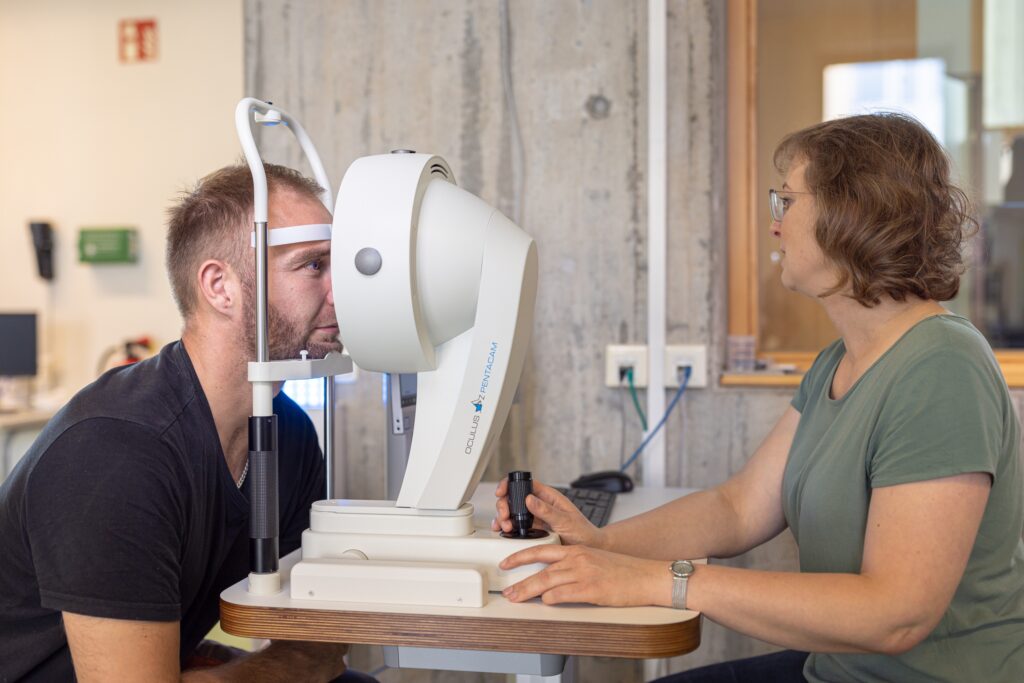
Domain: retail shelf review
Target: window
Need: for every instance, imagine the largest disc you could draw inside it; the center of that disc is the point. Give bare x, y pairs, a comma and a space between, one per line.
793, 63
308, 393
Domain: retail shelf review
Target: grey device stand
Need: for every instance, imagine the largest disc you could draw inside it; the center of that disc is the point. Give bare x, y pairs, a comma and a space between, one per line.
400, 410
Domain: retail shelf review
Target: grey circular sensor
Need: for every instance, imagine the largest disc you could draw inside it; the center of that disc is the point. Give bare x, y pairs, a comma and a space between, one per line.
368, 261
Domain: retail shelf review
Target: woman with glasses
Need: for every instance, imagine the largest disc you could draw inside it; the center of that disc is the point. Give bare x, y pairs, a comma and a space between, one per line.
896, 466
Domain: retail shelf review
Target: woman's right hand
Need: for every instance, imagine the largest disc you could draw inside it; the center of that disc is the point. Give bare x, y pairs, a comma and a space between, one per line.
552, 511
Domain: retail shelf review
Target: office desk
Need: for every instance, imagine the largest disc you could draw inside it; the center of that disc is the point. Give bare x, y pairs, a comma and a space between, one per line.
466, 635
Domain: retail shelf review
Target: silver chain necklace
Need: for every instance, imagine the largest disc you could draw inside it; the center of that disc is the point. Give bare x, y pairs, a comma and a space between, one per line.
244, 472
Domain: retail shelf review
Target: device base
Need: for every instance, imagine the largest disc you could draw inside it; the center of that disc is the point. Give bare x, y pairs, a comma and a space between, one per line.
358, 549
389, 583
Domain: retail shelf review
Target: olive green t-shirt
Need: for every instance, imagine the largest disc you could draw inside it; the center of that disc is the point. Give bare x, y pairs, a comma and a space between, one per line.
934, 405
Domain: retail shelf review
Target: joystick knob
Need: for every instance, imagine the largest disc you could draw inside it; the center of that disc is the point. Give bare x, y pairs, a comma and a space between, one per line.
520, 485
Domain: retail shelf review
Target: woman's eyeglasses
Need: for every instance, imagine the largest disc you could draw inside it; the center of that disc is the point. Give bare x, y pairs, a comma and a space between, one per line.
780, 204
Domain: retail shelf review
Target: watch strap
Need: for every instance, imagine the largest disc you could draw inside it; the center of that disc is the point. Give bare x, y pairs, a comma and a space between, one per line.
679, 591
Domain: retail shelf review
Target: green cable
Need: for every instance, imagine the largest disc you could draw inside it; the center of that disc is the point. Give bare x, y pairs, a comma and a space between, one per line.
636, 399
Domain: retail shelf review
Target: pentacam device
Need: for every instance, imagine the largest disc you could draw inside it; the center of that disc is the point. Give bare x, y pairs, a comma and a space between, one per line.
428, 279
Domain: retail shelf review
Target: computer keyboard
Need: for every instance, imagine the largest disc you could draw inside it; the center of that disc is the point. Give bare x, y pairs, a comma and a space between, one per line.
595, 505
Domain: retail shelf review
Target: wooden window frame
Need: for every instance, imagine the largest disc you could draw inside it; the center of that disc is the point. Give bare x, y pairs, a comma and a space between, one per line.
744, 207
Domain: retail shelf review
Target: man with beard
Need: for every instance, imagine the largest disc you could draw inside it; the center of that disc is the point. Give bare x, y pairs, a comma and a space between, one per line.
129, 514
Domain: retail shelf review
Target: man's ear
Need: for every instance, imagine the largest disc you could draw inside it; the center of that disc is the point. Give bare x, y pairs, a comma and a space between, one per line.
219, 287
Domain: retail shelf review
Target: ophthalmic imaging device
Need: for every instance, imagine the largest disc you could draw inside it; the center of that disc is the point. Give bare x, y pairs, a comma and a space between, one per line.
428, 279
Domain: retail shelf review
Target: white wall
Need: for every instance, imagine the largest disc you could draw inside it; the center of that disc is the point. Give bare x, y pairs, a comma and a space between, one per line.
88, 141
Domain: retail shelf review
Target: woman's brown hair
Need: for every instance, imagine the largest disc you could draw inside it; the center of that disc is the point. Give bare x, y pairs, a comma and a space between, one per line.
889, 215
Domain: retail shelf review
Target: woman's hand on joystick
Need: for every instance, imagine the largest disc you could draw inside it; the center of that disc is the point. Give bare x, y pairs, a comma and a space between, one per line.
551, 511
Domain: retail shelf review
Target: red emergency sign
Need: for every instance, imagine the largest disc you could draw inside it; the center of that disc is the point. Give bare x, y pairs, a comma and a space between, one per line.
136, 40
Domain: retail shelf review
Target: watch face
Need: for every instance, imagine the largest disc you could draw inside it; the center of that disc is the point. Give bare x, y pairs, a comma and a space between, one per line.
682, 568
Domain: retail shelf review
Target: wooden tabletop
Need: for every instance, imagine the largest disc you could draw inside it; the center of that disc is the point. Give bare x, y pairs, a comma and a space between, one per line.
632, 632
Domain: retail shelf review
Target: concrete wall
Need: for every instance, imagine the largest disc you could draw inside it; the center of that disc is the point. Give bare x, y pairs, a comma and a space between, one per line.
371, 76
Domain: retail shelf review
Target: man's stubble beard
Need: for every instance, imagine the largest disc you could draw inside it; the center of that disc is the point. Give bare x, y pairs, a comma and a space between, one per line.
285, 340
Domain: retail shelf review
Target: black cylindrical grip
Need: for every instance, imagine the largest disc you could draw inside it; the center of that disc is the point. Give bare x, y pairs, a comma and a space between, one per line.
263, 433
520, 485
263, 555
263, 505
263, 518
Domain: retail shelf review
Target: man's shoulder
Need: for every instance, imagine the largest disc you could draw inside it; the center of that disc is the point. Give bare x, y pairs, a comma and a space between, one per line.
292, 419
136, 404
297, 435
153, 393
285, 405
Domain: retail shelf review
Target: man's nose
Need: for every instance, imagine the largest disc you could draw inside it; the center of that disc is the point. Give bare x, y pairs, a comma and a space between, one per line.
774, 228
330, 288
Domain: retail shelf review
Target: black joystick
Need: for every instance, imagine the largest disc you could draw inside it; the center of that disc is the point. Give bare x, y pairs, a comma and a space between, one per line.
520, 485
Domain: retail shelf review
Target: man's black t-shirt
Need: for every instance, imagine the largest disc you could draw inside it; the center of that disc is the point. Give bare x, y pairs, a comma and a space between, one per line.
124, 508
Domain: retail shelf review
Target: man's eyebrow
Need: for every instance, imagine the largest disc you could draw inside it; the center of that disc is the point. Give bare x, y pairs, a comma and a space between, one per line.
785, 185
304, 256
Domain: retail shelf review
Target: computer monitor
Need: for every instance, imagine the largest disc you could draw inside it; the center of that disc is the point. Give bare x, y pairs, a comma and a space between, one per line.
18, 351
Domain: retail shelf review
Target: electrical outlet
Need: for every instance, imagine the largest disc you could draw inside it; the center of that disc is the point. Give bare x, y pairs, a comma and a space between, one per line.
618, 358
682, 355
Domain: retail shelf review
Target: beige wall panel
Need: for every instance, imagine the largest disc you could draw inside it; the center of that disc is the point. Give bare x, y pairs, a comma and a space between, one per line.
86, 140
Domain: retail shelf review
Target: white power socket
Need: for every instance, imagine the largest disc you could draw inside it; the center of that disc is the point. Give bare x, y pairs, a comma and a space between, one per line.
677, 356
694, 356
618, 357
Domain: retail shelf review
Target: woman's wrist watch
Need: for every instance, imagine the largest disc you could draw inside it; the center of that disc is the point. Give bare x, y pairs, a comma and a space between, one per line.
681, 570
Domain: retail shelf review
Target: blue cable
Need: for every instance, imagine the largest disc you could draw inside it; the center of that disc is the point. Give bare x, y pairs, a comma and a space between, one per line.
661, 423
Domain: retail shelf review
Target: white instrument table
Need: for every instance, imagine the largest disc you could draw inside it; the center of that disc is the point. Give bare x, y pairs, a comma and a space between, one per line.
500, 626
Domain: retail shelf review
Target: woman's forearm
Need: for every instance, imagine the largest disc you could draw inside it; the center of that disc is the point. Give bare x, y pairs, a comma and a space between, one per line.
702, 524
